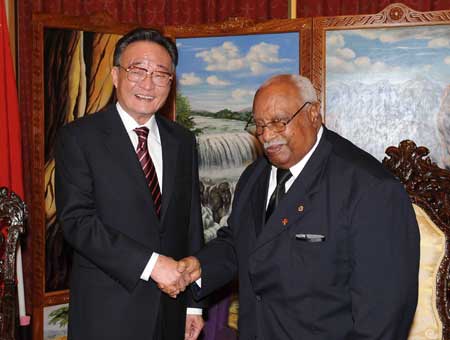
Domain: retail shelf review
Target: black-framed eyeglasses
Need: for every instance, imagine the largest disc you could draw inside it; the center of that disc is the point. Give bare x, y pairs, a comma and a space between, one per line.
137, 74
274, 125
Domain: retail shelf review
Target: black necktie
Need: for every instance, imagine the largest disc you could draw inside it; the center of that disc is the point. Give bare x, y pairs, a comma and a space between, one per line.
283, 176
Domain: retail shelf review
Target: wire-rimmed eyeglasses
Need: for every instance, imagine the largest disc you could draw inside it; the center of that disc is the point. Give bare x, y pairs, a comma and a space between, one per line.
137, 74
274, 125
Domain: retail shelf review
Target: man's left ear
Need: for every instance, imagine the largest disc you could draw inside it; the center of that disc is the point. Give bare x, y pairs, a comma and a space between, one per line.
115, 75
314, 114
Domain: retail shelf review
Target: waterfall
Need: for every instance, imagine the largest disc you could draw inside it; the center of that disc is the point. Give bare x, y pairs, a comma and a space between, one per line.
227, 150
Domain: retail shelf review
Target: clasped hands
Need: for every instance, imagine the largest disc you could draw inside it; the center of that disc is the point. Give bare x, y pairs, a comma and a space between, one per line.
173, 276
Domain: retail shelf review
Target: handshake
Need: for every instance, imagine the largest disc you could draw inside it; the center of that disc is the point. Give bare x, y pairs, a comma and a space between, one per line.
173, 276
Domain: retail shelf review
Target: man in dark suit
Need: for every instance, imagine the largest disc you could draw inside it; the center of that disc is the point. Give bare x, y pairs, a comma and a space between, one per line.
127, 194
327, 250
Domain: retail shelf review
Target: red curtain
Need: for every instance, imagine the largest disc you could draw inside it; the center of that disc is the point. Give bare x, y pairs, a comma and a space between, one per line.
11, 171
315, 8
10, 129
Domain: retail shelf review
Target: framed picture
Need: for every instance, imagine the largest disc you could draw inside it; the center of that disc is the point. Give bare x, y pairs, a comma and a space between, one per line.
384, 78
72, 60
221, 66
56, 319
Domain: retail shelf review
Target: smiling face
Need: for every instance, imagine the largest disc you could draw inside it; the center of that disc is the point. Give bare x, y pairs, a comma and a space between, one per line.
279, 101
142, 99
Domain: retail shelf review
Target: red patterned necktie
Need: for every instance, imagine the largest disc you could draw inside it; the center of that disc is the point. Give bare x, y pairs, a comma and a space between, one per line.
148, 167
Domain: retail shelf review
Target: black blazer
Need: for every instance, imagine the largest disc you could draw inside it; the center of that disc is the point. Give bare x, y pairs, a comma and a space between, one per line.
107, 215
337, 260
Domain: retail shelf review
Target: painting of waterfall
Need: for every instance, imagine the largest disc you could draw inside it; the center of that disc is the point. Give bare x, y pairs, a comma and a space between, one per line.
217, 78
387, 85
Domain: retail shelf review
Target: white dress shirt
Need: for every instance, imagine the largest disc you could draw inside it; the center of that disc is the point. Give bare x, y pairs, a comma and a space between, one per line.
155, 151
296, 169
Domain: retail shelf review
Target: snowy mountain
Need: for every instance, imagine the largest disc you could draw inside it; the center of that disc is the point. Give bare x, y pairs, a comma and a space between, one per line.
375, 116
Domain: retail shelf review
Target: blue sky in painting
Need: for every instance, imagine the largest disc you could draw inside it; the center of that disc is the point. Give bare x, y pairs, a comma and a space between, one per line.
398, 54
224, 72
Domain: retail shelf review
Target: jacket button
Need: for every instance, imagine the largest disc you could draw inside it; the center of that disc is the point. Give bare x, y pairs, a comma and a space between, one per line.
258, 297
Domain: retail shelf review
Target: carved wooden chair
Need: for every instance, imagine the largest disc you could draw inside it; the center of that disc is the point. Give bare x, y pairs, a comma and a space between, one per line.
13, 214
429, 189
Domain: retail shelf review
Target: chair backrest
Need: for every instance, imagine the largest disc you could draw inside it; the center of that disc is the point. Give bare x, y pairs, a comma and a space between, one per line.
13, 214
429, 189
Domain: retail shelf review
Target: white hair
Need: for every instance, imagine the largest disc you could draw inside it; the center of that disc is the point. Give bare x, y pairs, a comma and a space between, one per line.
305, 89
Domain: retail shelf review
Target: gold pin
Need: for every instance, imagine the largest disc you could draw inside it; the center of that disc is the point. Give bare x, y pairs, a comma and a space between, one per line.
284, 221
300, 208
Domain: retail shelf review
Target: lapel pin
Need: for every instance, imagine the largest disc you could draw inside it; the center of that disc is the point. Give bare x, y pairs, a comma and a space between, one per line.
300, 208
284, 221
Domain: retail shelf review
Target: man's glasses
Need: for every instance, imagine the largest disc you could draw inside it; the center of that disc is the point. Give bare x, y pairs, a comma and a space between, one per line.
274, 125
137, 74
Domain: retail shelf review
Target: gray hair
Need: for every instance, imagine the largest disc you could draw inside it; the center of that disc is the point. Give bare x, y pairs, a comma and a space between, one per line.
305, 88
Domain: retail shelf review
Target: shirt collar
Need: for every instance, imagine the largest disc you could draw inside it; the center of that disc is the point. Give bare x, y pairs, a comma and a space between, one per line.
297, 168
130, 124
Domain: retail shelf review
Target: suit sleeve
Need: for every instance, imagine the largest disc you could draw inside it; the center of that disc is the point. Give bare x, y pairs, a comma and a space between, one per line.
384, 248
84, 231
218, 259
196, 238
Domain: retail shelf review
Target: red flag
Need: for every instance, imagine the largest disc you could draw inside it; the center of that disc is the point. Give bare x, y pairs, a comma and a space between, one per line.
10, 129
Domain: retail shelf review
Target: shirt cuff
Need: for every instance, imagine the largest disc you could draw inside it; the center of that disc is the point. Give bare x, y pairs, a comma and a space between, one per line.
194, 311
149, 267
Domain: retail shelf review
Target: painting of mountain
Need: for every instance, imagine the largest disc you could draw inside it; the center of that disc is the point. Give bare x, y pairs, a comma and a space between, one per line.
386, 85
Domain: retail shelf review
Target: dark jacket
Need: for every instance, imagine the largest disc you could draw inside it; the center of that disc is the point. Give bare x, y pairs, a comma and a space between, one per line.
106, 211
337, 260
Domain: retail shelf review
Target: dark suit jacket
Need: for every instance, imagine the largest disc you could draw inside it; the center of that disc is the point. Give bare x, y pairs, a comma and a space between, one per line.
106, 211
359, 282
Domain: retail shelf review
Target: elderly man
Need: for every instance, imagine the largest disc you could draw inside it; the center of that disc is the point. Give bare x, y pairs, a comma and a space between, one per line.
127, 195
323, 239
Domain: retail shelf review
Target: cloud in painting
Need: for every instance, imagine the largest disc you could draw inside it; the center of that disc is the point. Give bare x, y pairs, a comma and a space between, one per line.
242, 94
338, 65
215, 81
228, 57
438, 43
447, 60
189, 79
360, 64
392, 35
345, 53
335, 40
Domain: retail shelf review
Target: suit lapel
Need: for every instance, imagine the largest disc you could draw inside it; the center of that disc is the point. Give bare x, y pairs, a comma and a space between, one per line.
259, 199
169, 146
297, 201
123, 154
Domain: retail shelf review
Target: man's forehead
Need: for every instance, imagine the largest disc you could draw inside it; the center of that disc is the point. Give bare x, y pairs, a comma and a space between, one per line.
144, 53
147, 62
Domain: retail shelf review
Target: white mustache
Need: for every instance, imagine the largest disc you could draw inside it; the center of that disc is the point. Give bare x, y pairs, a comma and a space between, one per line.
274, 143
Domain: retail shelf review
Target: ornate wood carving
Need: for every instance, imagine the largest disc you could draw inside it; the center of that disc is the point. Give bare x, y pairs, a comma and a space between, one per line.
429, 187
13, 214
394, 15
97, 22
